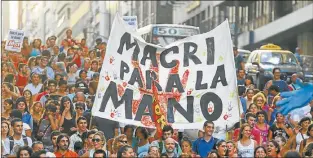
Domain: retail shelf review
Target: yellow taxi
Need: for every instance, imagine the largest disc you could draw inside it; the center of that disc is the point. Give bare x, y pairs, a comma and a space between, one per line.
262, 61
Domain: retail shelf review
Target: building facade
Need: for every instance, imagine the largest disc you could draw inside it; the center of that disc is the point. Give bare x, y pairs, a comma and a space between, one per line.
286, 23
148, 12
5, 18
87, 19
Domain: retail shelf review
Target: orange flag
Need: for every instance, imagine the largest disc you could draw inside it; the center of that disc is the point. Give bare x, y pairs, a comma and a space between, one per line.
158, 115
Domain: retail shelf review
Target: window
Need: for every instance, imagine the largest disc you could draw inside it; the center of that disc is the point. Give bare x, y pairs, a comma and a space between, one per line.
193, 21
209, 15
198, 20
203, 15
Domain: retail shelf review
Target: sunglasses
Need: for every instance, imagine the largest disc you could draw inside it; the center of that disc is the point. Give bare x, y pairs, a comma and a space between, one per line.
123, 141
96, 140
80, 108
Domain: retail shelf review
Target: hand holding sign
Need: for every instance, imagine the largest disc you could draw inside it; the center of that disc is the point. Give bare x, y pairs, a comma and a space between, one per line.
296, 99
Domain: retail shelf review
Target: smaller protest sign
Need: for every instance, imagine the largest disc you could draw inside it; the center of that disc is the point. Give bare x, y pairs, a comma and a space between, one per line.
131, 21
15, 40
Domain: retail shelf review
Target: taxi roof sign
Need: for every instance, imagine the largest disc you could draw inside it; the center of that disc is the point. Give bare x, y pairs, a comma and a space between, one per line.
270, 46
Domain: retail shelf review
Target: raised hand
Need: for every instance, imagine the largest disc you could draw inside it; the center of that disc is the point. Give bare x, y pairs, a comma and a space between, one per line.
296, 99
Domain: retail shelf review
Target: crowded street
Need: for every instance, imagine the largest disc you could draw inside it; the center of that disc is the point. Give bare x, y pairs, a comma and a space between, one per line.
157, 79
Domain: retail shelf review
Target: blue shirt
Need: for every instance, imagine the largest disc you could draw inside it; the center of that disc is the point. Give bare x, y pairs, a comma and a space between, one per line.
202, 148
243, 103
28, 119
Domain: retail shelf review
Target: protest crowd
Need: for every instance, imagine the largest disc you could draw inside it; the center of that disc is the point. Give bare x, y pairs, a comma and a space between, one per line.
48, 91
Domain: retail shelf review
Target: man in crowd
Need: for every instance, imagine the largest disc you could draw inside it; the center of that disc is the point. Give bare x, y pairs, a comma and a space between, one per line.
82, 128
239, 64
35, 85
293, 85
167, 132
11, 144
170, 147
202, 146
63, 147
44, 70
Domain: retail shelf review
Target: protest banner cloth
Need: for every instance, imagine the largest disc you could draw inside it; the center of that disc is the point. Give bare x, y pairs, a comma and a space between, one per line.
195, 80
15, 40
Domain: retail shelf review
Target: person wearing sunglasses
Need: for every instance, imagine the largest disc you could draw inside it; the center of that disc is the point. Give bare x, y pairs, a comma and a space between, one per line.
118, 142
99, 143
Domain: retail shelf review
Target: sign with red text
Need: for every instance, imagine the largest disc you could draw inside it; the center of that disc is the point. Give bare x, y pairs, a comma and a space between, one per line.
15, 40
185, 83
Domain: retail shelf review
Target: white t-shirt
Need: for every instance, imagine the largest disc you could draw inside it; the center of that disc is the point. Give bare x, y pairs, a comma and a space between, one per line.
33, 89
17, 143
25, 128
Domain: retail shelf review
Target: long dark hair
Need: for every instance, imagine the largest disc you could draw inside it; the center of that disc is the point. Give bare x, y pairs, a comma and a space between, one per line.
8, 127
22, 99
60, 137
62, 107
27, 148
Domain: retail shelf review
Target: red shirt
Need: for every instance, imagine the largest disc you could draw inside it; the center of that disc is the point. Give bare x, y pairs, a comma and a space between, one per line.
255, 135
77, 61
69, 153
21, 81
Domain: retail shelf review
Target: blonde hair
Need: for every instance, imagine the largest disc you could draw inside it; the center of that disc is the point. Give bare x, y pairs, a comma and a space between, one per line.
101, 135
259, 94
116, 142
31, 111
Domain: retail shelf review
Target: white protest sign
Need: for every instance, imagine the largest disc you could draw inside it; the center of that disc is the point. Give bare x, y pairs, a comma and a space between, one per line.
131, 21
195, 78
15, 40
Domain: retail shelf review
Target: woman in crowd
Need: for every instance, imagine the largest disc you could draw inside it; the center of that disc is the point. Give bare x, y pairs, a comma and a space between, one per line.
47, 124
36, 48
128, 131
212, 154
12, 69
5, 130
61, 69
253, 108
87, 142
29, 98
186, 146
221, 148
260, 100
67, 122
260, 152
21, 105
7, 109
10, 78
284, 145
36, 111
143, 143
118, 142
250, 94
31, 63
304, 124
24, 152
246, 145
273, 149
4, 70
83, 76
71, 73
232, 149
262, 125
99, 143
308, 140
280, 128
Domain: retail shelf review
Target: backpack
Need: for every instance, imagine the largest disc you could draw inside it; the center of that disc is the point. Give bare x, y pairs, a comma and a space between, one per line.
161, 146
12, 142
197, 142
